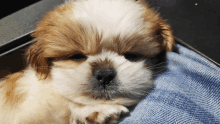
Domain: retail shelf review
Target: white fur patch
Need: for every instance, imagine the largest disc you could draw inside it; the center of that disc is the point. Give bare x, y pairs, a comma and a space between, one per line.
37, 94
70, 81
109, 17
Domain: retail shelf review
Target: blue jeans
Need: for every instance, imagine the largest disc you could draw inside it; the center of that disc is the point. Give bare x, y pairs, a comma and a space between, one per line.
187, 92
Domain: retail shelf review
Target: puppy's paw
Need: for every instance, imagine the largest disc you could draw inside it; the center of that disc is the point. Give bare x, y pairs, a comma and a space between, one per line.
101, 114
107, 114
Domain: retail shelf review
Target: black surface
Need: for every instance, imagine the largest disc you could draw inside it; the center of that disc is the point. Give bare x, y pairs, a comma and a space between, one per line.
197, 25
12, 62
22, 23
9, 7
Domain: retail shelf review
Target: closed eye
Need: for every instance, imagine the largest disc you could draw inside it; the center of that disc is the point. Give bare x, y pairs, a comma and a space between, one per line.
133, 56
78, 57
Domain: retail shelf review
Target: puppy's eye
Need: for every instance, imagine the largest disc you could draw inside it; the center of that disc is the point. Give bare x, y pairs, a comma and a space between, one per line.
133, 56
78, 57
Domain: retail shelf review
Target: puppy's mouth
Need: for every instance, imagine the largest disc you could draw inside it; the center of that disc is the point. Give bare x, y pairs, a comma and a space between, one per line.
103, 91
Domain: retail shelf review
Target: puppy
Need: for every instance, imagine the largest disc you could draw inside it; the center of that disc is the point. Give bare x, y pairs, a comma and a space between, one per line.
90, 60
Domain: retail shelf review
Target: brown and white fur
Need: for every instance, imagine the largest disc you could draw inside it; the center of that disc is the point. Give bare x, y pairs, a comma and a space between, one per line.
90, 59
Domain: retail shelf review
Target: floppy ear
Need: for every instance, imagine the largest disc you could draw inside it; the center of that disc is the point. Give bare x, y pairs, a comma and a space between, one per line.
164, 35
160, 28
38, 55
36, 60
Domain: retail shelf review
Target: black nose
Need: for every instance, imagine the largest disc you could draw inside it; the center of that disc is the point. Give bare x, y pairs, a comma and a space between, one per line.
105, 75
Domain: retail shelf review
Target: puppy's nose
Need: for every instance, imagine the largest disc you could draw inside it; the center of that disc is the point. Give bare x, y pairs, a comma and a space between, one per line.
105, 75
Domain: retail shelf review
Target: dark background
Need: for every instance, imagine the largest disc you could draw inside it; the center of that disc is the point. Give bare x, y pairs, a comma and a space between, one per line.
196, 22
9, 7
198, 25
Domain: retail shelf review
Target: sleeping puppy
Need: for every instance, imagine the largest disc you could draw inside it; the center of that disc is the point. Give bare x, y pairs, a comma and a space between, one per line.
90, 60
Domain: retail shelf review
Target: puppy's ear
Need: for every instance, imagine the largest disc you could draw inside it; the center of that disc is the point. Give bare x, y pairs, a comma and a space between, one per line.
164, 35
36, 59
157, 26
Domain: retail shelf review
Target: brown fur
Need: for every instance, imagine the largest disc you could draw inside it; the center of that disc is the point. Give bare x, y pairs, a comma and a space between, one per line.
134, 43
56, 42
10, 86
102, 64
92, 117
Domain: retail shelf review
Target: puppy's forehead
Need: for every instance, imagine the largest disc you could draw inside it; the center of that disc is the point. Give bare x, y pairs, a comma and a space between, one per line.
109, 17
119, 24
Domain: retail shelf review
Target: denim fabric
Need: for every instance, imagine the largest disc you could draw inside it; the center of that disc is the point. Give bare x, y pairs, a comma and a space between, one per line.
187, 93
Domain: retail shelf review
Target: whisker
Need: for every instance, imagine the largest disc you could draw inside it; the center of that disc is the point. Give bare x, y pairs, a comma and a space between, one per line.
156, 67
121, 64
45, 67
158, 72
135, 72
159, 64
126, 68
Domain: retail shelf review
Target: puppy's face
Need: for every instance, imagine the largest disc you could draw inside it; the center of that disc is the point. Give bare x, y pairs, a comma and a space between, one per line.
100, 50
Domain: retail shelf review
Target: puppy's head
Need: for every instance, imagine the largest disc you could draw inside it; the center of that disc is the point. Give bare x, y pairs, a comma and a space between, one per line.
101, 50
